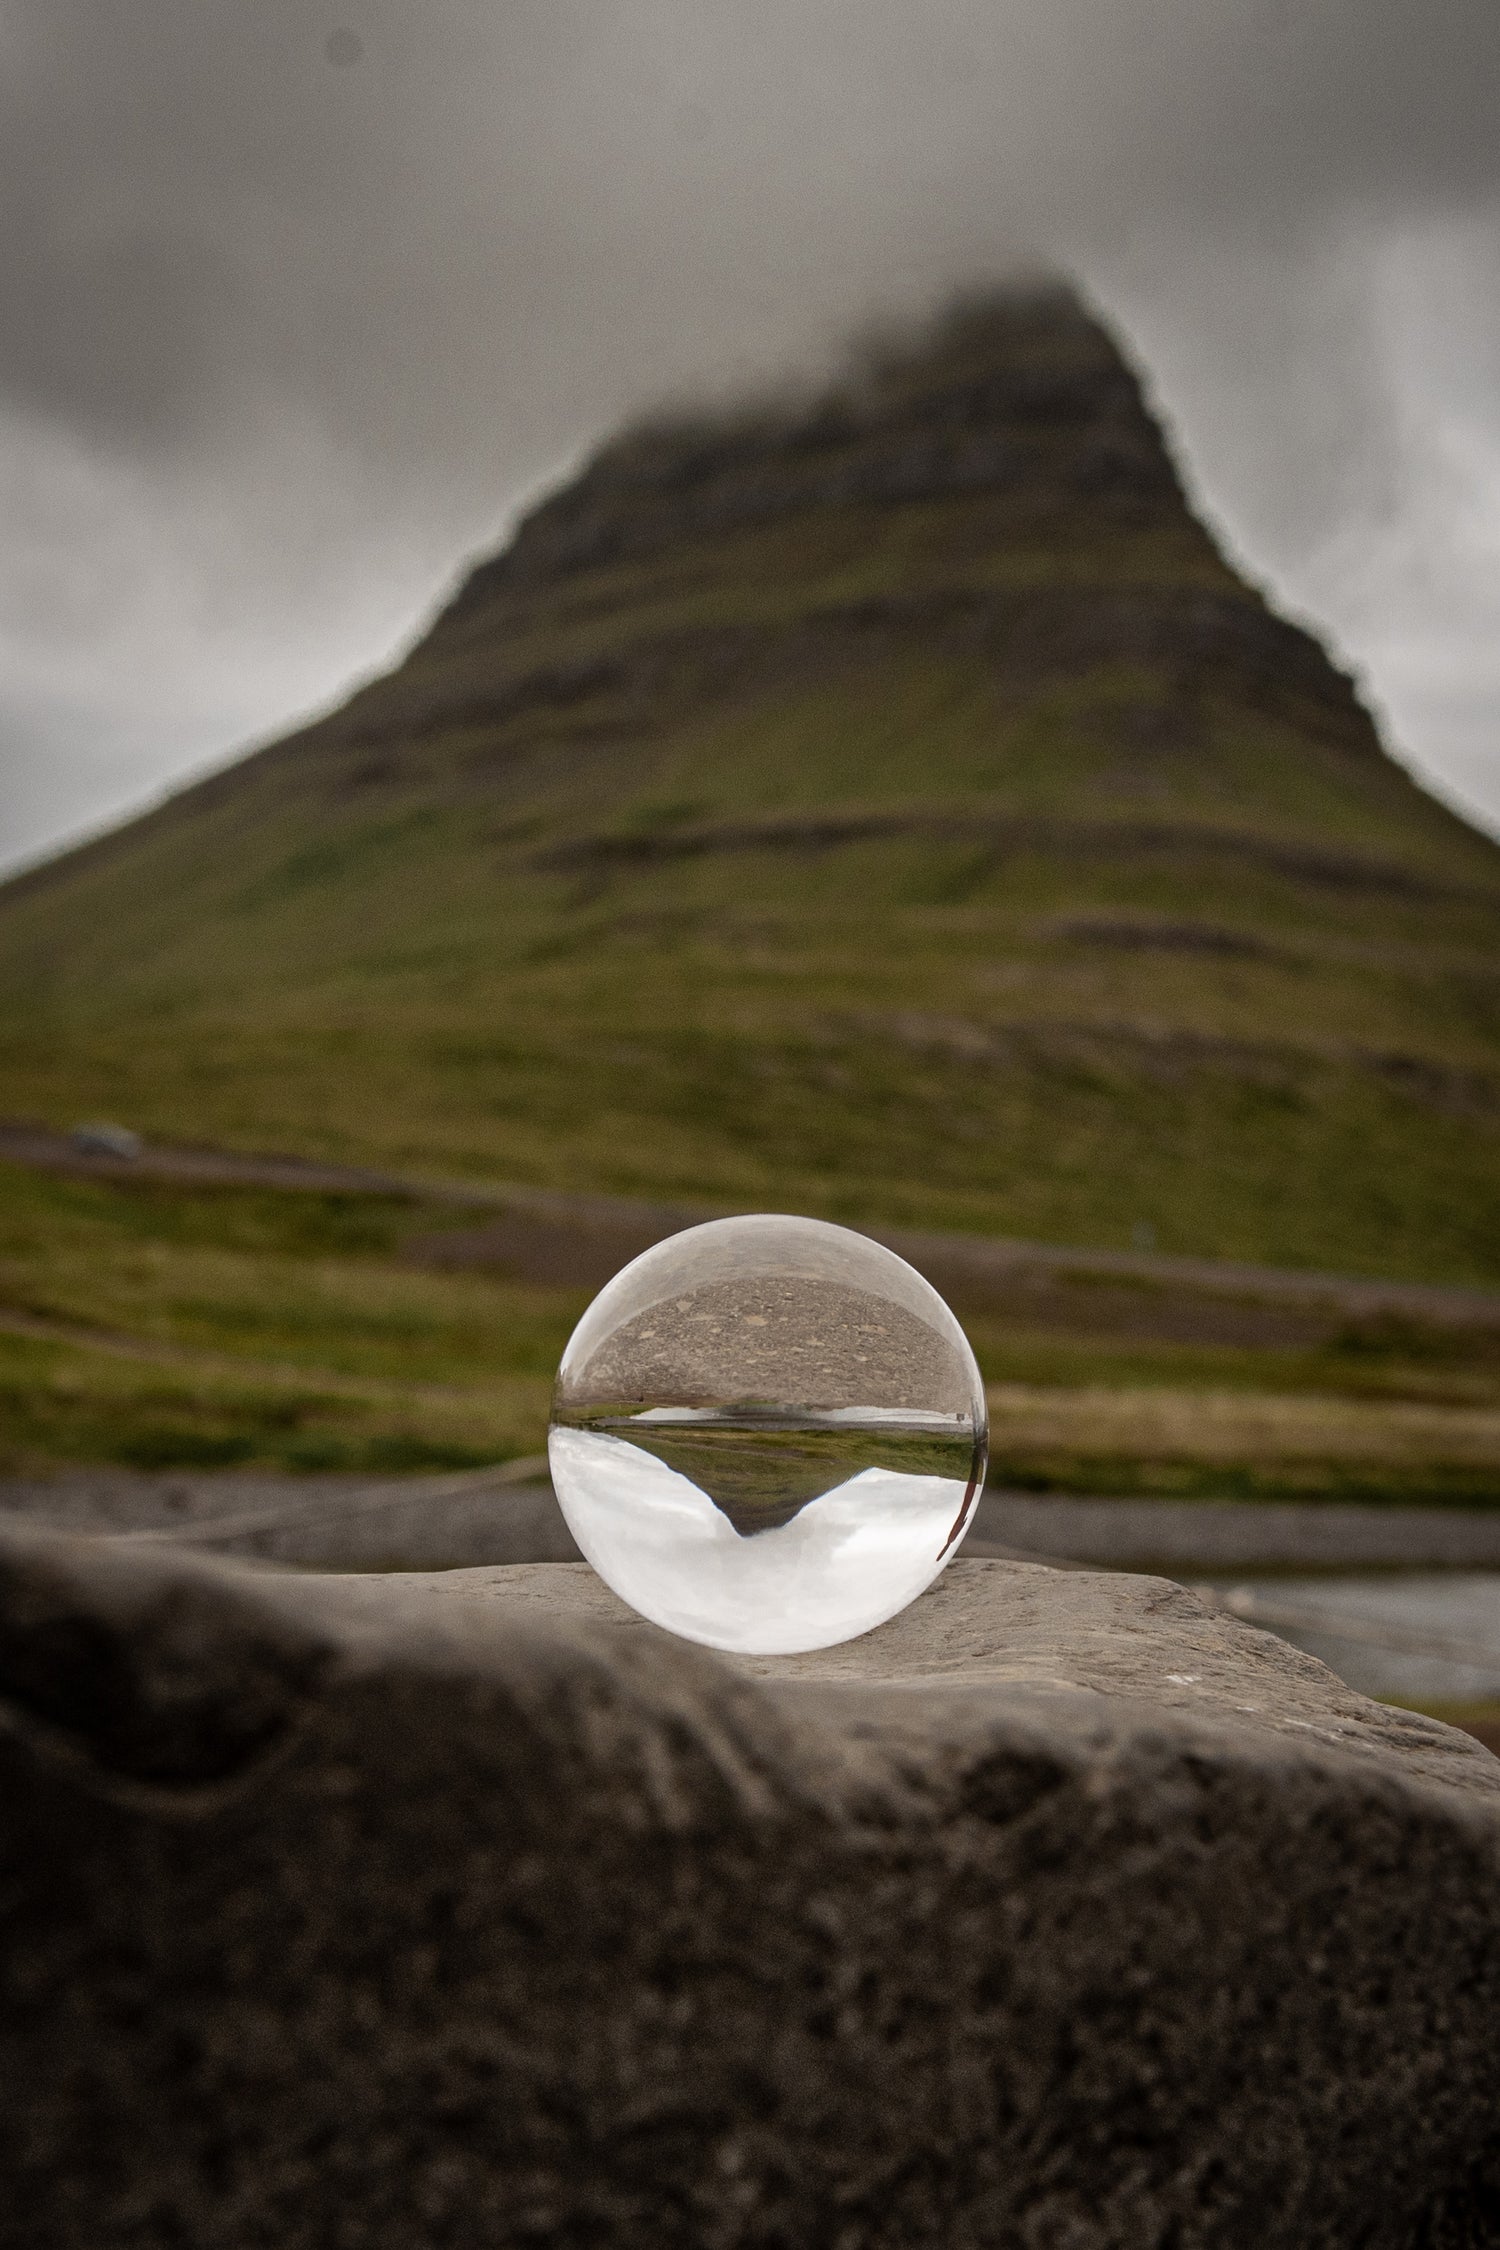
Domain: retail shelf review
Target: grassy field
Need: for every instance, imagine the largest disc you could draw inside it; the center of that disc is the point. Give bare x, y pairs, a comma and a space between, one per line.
981, 1070
159, 1326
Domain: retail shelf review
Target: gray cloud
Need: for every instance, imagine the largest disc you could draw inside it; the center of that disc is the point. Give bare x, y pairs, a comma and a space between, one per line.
301, 300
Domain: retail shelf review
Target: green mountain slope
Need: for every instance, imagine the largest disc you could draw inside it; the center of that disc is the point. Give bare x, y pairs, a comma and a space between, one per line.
891, 804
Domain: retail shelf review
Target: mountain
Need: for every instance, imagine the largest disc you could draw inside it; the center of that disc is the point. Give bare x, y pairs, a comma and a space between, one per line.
890, 803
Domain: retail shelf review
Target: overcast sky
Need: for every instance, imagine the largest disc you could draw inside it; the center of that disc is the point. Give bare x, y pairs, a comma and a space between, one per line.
303, 297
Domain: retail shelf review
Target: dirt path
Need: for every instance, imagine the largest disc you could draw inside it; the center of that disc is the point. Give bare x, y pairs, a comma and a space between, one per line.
354, 1522
46, 1151
581, 1240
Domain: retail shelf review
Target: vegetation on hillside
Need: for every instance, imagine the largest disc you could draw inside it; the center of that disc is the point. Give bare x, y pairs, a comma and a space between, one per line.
159, 1325
894, 808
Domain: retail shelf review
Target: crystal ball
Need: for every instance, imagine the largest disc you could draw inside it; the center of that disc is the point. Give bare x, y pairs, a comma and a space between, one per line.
768, 1434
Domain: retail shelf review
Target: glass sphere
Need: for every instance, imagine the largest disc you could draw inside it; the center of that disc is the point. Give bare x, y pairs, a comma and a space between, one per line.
768, 1434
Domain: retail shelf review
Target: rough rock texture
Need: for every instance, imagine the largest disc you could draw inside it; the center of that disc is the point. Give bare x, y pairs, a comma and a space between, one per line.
470, 1910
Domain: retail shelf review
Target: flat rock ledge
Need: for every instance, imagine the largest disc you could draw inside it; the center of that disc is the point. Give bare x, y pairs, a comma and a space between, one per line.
467, 1909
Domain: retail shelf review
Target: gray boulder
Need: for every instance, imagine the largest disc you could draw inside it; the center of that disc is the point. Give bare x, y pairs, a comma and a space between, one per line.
469, 1909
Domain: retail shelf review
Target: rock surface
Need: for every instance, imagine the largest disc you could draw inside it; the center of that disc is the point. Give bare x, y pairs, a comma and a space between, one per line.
471, 1910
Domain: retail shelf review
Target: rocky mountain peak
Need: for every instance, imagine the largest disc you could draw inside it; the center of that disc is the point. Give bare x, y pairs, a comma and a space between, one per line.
1019, 392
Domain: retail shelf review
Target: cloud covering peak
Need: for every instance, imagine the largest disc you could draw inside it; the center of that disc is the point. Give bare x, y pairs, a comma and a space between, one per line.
305, 302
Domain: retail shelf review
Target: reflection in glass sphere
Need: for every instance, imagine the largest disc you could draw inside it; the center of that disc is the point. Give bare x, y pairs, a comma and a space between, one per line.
768, 1434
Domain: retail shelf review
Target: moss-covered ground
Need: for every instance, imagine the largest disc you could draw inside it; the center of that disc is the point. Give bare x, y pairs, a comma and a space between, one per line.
156, 1325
